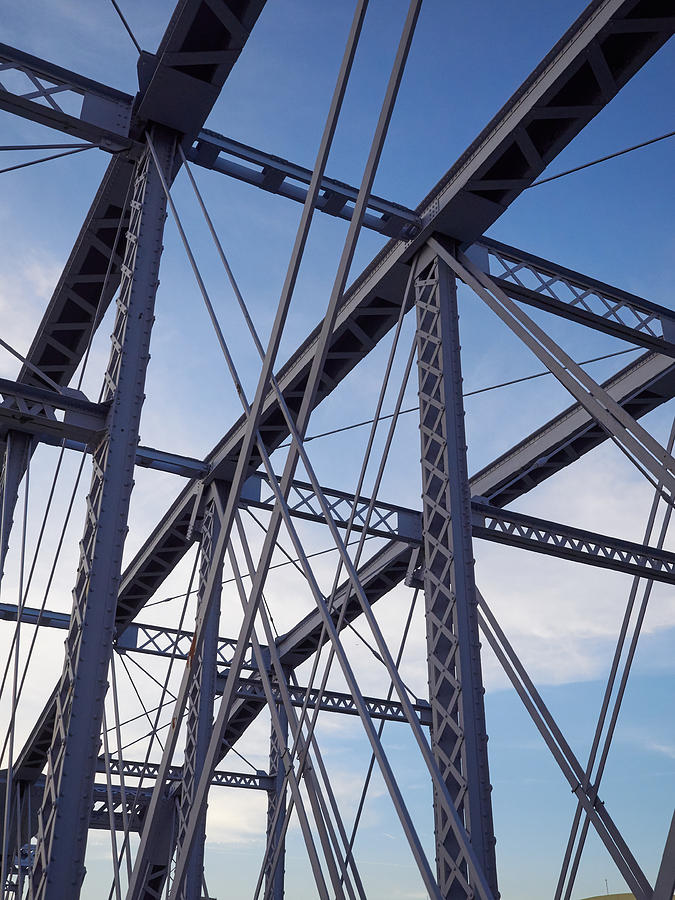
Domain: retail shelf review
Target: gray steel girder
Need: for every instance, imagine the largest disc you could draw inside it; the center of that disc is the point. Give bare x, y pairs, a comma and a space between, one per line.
135, 769
458, 733
564, 292
104, 115
279, 176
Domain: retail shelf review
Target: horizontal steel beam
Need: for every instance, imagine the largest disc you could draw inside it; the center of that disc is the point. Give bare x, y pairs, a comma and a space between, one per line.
137, 799
541, 536
388, 520
37, 411
157, 641
259, 781
48, 415
490, 523
332, 701
279, 176
58, 98
556, 289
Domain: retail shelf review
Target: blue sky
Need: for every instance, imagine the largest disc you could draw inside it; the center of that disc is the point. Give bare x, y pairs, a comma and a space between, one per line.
612, 221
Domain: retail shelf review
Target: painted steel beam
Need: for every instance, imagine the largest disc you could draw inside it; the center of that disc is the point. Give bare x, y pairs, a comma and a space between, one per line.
138, 800
279, 176
332, 701
388, 520
34, 410
181, 82
458, 731
384, 570
259, 781
178, 69
38, 412
49, 416
564, 292
89, 280
58, 98
541, 536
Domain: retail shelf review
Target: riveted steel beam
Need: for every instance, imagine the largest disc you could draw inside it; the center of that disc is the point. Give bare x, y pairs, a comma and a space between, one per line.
36, 89
279, 176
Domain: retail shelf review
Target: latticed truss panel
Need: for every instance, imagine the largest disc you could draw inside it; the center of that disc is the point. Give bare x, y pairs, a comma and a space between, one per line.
459, 737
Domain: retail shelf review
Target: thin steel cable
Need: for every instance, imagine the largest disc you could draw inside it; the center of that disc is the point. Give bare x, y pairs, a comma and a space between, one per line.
212, 315
118, 739
239, 387
602, 159
253, 435
595, 399
43, 525
390, 692
559, 747
241, 756
349, 625
258, 344
150, 676
291, 778
140, 699
58, 388
315, 662
135, 718
162, 703
305, 222
419, 856
111, 811
47, 589
378, 409
126, 25
248, 574
34, 162
342, 611
148, 734
367, 518
485, 390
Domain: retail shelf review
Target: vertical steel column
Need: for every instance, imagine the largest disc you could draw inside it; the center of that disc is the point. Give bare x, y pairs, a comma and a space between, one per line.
14, 465
458, 732
201, 695
274, 878
71, 763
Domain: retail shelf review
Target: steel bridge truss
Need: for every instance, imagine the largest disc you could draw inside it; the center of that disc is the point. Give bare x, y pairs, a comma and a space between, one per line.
52, 789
